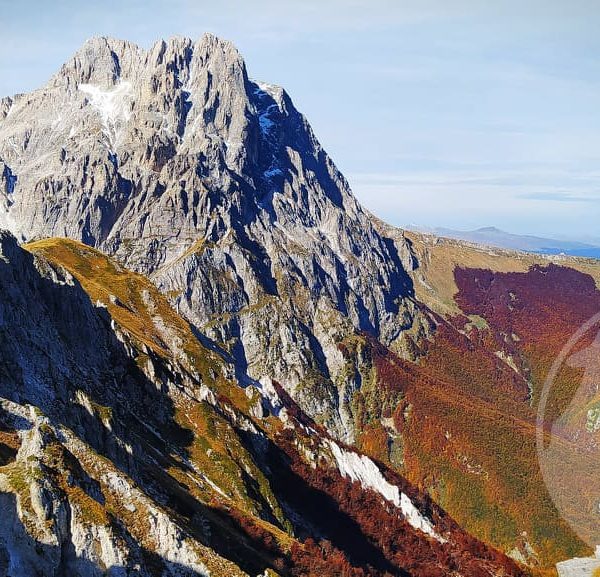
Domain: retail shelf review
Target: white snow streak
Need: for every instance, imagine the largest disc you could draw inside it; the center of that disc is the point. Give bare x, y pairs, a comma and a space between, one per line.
362, 469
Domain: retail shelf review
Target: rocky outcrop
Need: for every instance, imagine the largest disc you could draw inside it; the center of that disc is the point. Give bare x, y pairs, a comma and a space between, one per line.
129, 448
181, 166
579, 567
92, 419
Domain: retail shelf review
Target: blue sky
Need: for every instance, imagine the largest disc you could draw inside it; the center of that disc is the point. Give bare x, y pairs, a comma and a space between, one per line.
457, 113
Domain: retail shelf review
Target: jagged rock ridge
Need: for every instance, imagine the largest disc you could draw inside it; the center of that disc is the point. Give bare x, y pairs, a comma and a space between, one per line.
132, 451
177, 163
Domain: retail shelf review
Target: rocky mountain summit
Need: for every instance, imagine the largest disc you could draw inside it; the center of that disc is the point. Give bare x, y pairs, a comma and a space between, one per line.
184, 169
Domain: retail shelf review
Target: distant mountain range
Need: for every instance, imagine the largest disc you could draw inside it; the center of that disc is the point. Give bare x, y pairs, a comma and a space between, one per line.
493, 236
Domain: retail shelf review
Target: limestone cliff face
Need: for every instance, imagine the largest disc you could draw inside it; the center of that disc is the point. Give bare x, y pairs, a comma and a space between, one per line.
177, 163
80, 423
128, 447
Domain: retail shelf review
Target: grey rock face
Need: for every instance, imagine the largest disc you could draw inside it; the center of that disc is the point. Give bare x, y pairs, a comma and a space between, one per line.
177, 163
92, 420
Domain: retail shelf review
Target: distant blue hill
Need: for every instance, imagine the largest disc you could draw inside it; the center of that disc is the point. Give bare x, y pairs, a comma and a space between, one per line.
493, 236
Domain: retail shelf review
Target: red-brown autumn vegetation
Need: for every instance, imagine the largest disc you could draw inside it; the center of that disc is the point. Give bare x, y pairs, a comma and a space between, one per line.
532, 314
466, 418
390, 545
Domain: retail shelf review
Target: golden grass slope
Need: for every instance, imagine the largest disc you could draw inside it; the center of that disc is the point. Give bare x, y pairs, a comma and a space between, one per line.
438, 257
139, 309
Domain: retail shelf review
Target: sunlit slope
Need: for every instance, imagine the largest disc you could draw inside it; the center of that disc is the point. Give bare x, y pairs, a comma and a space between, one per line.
461, 421
249, 476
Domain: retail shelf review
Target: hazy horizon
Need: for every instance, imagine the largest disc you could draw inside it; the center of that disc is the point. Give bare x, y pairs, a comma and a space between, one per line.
457, 115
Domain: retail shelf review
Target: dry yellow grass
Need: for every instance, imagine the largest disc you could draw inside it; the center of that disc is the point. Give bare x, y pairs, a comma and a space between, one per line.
139, 308
132, 300
438, 257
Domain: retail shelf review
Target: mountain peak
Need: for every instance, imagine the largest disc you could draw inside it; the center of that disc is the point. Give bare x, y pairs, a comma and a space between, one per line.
149, 155
213, 42
490, 229
105, 61
101, 60
100, 43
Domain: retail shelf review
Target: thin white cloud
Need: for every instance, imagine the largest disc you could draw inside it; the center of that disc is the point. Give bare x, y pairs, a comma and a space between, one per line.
515, 201
558, 197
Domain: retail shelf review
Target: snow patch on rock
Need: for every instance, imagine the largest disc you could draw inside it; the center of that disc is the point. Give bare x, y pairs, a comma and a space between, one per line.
362, 469
113, 107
